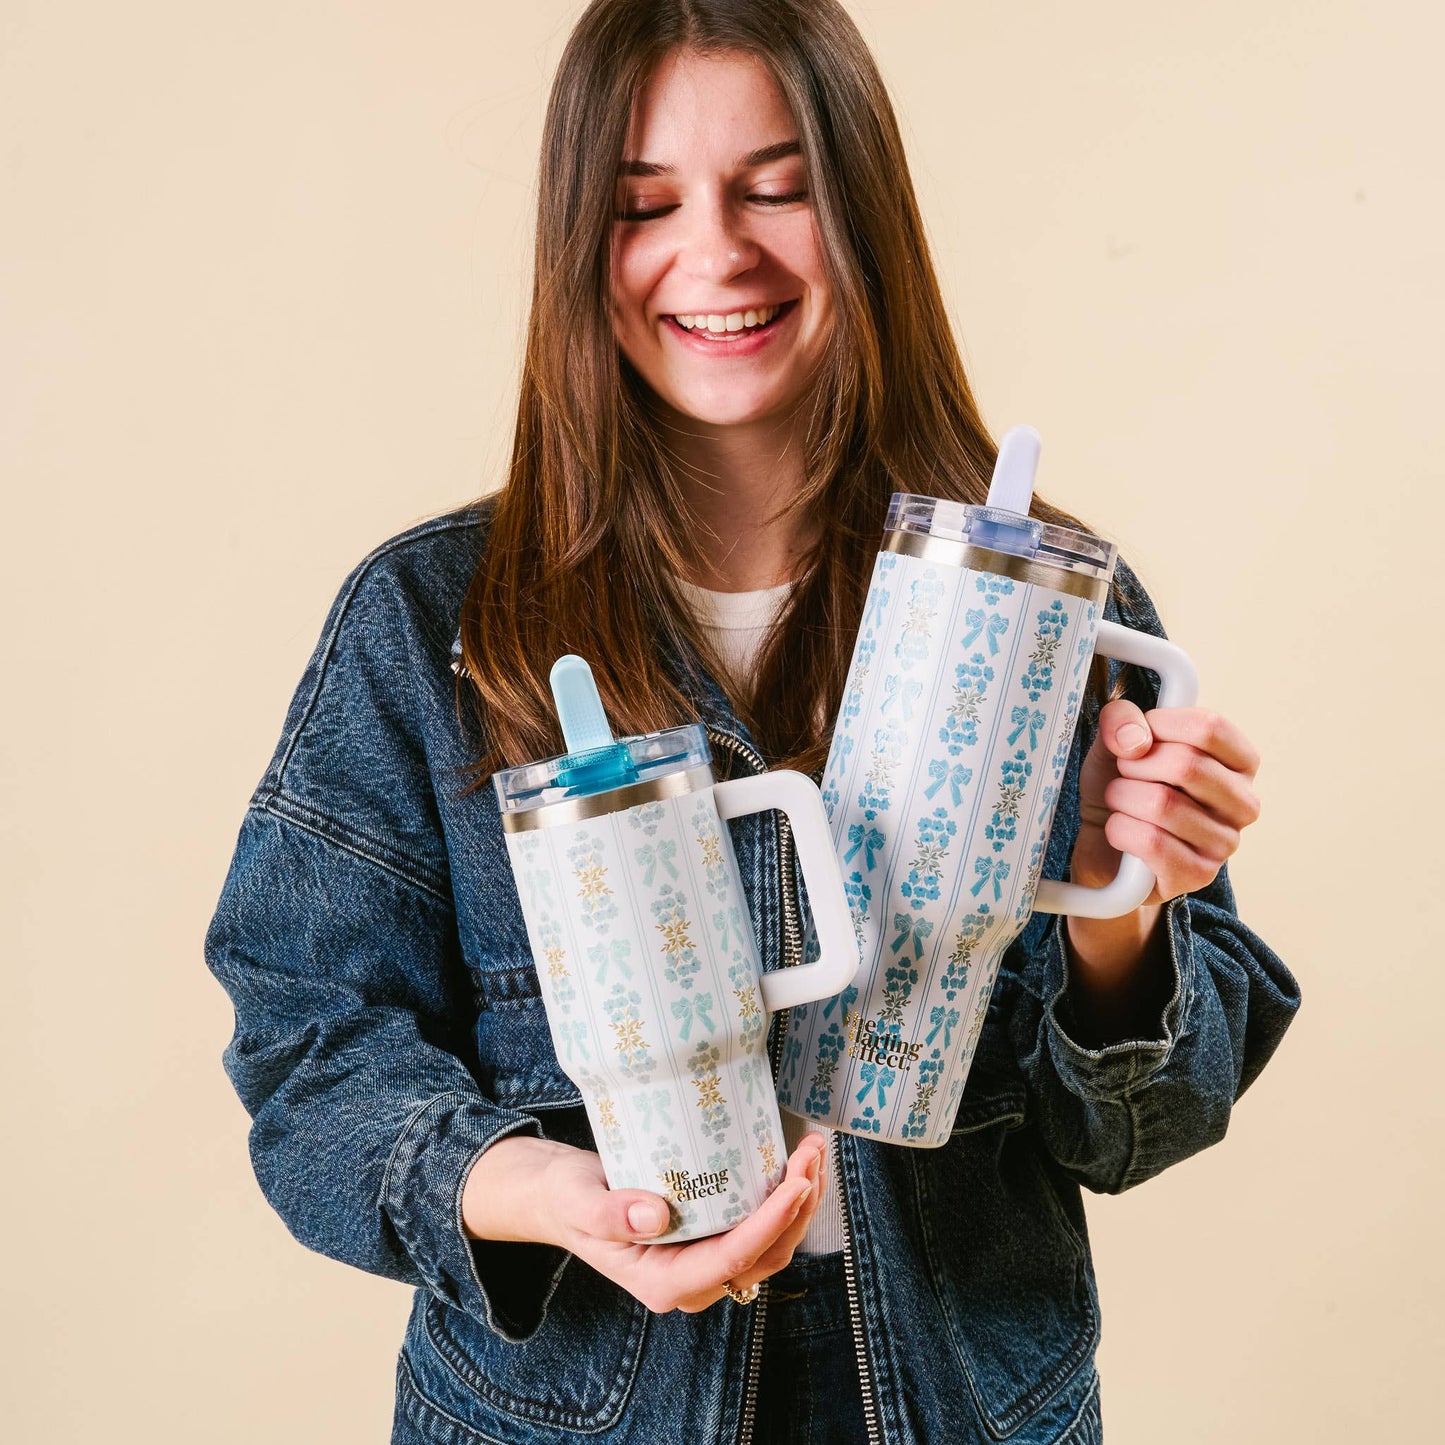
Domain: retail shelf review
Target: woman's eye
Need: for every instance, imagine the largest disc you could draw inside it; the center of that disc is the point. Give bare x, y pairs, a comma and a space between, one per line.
644, 214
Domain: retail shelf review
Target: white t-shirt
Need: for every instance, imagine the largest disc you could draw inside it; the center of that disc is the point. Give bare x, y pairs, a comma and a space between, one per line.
737, 623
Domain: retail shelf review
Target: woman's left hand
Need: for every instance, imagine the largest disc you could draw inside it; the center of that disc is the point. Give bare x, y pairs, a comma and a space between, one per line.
1175, 797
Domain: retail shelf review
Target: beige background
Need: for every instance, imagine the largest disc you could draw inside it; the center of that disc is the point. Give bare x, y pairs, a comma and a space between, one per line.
262, 272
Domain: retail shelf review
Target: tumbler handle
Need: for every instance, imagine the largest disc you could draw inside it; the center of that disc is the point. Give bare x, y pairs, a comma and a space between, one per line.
797, 796
1178, 687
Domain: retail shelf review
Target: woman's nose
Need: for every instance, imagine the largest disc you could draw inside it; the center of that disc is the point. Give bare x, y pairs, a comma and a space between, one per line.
718, 246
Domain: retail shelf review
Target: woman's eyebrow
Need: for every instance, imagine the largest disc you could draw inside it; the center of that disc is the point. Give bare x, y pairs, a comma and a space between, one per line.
779, 150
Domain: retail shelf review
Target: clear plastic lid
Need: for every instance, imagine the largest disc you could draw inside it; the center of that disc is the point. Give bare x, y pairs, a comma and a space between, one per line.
596, 770
1002, 530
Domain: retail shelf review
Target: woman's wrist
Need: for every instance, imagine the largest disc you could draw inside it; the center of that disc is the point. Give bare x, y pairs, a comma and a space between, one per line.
503, 1197
1119, 974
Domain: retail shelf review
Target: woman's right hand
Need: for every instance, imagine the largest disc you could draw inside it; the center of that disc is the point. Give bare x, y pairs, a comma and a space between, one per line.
539, 1189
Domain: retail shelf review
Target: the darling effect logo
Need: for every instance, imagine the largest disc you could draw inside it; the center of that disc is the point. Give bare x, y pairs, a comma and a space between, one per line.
870, 1041
682, 1185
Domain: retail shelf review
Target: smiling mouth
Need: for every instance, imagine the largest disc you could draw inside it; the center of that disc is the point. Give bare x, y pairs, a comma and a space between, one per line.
722, 338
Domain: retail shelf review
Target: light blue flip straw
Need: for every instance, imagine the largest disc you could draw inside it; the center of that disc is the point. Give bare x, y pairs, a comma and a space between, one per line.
597, 760
1004, 522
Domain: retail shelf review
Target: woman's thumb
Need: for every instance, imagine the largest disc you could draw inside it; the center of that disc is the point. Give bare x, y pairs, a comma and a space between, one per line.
626, 1215
646, 1216
1124, 729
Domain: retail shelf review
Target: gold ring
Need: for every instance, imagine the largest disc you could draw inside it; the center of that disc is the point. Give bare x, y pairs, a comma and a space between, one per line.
743, 1297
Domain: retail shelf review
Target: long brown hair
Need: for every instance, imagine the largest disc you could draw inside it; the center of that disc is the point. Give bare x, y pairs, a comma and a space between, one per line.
591, 520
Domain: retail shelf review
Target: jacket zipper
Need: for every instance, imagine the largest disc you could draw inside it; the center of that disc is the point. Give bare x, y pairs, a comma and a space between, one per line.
850, 1274
792, 955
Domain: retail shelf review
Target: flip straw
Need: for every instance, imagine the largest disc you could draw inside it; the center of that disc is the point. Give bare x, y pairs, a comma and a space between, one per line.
595, 759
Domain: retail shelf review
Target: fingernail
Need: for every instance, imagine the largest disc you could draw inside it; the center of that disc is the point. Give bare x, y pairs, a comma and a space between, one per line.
645, 1218
1131, 736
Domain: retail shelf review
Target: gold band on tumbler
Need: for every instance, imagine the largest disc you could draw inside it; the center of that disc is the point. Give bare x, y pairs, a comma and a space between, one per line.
970, 557
576, 810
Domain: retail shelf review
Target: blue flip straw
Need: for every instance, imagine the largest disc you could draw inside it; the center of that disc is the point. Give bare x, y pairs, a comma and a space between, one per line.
1004, 523
595, 760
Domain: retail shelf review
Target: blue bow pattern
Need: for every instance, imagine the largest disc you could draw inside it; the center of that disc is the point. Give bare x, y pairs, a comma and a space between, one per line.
658, 1102
691, 1006
876, 1076
649, 857
573, 1033
906, 693
870, 840
943, 1018
1025, 719
615, 953
539, 887
978, 620
1086, 642
955, 777
911, 926
792, 1052
750, 1073
728, 922
986, 868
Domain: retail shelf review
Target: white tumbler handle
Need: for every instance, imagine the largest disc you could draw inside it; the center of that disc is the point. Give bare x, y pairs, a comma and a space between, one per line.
797, 796
1178, 687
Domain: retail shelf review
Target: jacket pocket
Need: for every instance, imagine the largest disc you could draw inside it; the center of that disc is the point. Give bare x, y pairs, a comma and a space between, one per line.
1009, 1267
574, 1372
517, 1060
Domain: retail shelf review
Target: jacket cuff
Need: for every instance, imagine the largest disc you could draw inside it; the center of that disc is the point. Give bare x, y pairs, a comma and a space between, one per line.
505, 1284
1111, 1072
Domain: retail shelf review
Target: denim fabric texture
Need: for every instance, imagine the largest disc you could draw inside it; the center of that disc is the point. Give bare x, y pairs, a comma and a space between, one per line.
389, 1028
808, 1388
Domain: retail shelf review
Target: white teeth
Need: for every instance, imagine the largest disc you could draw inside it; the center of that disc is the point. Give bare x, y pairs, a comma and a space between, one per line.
733, 321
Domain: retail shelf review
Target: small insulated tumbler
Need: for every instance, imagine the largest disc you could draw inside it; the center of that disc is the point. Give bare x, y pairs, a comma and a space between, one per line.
655, 994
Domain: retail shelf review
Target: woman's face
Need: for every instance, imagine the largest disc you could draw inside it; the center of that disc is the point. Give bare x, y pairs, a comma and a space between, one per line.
716, 234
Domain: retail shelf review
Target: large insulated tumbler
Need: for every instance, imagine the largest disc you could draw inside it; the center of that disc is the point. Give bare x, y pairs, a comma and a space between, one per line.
956, 725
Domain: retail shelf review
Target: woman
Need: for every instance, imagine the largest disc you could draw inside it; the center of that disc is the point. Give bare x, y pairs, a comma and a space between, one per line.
737, 351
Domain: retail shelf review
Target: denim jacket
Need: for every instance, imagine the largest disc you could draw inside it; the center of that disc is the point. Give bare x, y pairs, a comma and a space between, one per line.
390, 1027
